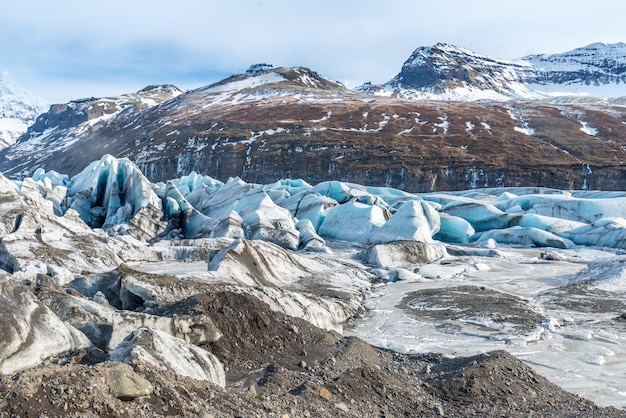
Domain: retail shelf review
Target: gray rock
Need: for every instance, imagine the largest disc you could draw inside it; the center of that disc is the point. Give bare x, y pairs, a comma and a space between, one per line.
126, 384
552, 256
293, 328
342, 407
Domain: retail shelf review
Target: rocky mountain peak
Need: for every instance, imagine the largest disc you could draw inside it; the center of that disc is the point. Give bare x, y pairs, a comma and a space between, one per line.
452, 72
93, 109
16, 101
161, 89
256, 68
442, 48
597, 52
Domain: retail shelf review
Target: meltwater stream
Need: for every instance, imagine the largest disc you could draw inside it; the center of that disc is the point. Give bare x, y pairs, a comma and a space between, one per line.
464, 306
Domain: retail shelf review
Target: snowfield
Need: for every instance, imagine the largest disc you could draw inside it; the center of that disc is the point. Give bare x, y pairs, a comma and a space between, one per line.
538, 272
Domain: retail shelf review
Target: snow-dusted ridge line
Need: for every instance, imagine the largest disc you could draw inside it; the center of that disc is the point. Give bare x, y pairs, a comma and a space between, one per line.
264, 81
142, 126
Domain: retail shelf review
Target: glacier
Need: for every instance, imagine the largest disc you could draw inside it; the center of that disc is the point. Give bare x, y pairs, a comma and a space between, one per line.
113, 200
110, 260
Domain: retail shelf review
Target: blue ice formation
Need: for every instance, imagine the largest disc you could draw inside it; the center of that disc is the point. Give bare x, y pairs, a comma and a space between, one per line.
114, 195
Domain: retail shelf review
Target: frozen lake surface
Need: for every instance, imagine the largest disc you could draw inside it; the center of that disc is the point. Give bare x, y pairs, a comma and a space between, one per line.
583, 352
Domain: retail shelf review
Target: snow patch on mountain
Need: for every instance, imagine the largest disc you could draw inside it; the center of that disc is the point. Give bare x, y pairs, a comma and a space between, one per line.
256, 80
18, 109
588, 129
264, 81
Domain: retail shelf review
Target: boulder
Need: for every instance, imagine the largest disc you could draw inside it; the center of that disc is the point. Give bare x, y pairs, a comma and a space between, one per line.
126, 384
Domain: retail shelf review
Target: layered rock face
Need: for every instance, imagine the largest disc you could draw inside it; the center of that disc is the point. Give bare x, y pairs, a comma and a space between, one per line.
593, 65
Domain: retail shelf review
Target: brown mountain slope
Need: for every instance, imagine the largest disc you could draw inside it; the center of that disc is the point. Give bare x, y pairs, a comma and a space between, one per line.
417, 146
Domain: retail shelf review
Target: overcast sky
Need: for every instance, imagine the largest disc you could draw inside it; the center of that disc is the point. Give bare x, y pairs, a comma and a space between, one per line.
67, 49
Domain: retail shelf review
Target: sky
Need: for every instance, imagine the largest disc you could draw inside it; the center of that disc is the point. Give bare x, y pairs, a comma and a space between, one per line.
69, 49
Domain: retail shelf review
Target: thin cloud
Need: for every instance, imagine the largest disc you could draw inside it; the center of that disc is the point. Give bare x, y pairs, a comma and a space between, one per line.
56, 48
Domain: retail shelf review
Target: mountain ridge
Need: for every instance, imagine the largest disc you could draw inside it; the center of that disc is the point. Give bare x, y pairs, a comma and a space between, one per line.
273, 122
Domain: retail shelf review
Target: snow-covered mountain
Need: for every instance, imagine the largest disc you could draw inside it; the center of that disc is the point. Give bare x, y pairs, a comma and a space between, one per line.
18, 109
66, 128
598, 69
265, 81
150, 125
447, 72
